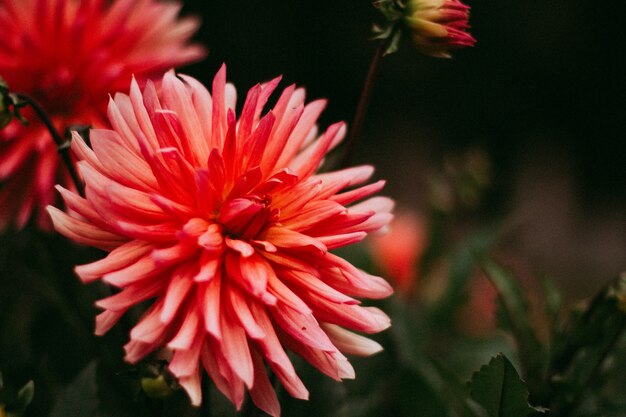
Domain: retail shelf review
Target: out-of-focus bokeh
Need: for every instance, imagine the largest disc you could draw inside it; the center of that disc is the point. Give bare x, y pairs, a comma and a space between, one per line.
543, 95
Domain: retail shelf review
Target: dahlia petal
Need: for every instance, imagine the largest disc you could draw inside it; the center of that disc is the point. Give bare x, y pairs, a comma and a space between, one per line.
119, 163
241, 309
171, 207
209, 298
179, 286
357, 283
349, 342
132, 294
84, 152
287, 297
83, 232
346, 371
218, 121
135, 350
262, 391
243, 248
297, 197
210, 266
358, 193
323, 360
149, 327
141, 114
364, 319
307, 282
226, 381
347, 177
141, 269
258, 141
120, 124
309, 160
119, 258
283, 237
313, 213
174, 254
305, 124
13, 157
302, 327
276, 356
185, 362
177, 98
163, 232
106, 320
202, 104
251, 273
187, 332
337, 241
236, 351
192, 386
246, 119
80, 206
278, 138
266, 91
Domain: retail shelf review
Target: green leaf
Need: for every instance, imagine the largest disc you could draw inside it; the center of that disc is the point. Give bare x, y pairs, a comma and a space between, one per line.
514, 311
591, 337
24, 398
462, 264
498, 388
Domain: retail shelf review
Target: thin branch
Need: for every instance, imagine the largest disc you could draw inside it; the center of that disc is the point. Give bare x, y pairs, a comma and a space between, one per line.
361, 109
62, 144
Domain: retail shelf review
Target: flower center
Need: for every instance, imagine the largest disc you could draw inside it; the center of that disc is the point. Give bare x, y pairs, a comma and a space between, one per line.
247, 217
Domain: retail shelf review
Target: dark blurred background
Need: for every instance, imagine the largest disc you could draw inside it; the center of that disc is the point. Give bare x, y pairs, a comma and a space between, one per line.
543, 94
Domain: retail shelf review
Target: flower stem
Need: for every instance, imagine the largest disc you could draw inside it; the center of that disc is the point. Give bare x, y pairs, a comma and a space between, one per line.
62, 144
363, 103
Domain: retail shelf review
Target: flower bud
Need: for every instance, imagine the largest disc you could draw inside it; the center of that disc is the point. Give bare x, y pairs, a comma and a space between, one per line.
438, 26
5, 113
156, 381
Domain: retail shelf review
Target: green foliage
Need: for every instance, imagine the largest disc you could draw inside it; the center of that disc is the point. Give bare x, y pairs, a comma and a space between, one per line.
462, 264
514, 314
389, 31
498, 388
590, 336
10, 106
15, 406
564, 374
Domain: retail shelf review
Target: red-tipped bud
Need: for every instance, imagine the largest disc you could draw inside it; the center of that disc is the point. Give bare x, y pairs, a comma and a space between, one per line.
439, 26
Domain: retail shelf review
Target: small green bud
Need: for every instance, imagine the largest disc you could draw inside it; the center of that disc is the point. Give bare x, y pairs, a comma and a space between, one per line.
5, 113
157, 387
156, 380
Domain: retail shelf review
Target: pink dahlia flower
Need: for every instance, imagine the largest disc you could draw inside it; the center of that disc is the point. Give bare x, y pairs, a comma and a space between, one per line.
439, 26
225, 226
68, 55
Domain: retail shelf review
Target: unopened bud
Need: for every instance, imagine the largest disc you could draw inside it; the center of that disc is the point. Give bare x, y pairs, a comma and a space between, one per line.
439, 26
156, 387
5, 113
156, 380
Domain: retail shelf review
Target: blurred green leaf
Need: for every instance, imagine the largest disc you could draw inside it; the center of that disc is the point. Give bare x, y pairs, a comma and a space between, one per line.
17, 405
498, 388
590, 337
462, 263
514, 310
24, 398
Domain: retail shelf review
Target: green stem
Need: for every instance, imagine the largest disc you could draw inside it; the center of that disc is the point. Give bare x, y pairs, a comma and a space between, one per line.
361, 109
62, 144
